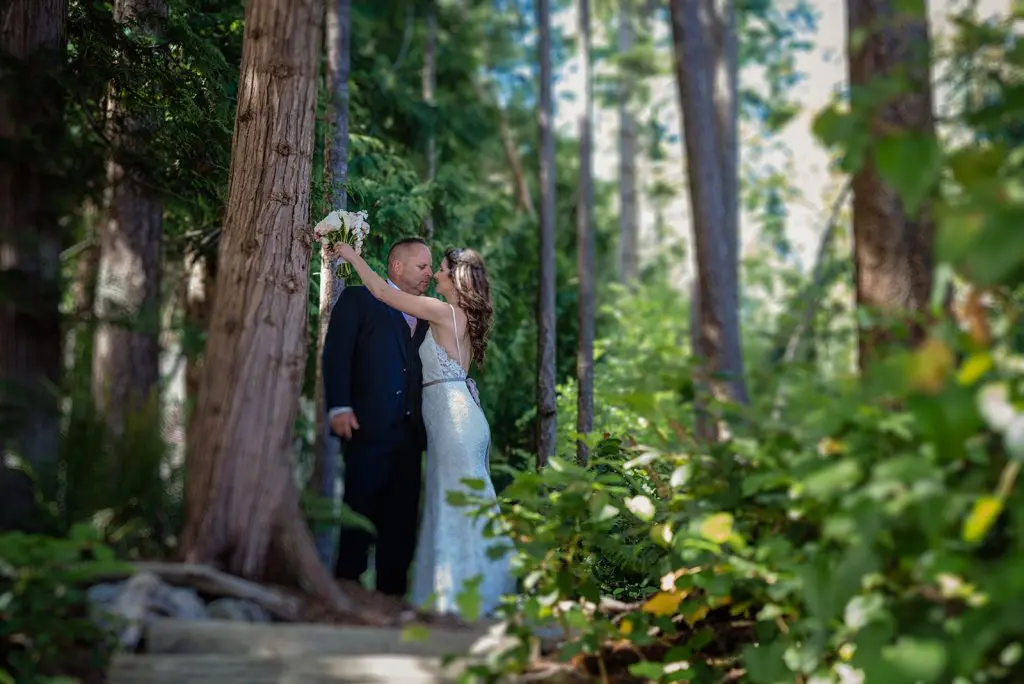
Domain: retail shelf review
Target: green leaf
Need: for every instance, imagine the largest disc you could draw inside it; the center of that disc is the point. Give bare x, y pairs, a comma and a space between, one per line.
765, 664
415, 633
918, 660
468, 600
984, 513
911, 163
474, 484
717, 527
833, 478
647, 669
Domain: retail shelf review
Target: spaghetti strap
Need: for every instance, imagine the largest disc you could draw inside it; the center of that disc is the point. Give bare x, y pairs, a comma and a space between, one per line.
458, 345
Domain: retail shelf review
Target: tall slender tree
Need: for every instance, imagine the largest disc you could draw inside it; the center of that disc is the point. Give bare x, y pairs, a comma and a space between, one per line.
585, 243
629, 219
429, 79
547, 427
126, 349
706, 67
242, 507
32, 43
327, 449
893, 254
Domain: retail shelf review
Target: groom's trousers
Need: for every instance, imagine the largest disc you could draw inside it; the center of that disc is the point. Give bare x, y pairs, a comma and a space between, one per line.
382, 483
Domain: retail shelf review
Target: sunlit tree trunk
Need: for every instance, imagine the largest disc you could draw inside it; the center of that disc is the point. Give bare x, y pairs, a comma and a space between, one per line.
585, 244
893, 256
547, 434
628, 216
126, 348
32, 37
328, 449
706, 65
242, 511
429, 86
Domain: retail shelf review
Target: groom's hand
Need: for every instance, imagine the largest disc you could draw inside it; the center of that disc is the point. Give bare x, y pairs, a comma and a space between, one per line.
343, 424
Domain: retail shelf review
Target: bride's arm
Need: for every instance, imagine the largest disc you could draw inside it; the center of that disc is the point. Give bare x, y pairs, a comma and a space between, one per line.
422, 307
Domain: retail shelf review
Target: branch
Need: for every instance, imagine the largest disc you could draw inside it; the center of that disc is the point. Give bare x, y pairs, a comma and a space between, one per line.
406, 41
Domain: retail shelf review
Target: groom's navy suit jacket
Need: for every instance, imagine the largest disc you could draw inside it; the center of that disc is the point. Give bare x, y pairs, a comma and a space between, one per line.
372, 364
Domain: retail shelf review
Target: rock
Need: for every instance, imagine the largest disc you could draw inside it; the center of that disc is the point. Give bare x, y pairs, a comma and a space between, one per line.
237, 609
178, 602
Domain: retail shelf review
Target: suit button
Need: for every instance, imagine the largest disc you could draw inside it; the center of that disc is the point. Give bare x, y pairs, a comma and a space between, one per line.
404, 370
398, 392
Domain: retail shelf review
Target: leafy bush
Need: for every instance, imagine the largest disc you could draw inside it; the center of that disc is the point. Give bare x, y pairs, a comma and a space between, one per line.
45, 629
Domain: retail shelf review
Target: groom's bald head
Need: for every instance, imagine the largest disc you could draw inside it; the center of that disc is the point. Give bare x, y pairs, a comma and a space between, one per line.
410, 265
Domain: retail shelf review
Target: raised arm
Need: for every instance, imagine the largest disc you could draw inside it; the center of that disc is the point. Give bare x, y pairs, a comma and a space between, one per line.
422, 307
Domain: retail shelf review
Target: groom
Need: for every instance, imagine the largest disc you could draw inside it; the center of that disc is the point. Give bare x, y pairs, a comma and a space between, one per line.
372, 382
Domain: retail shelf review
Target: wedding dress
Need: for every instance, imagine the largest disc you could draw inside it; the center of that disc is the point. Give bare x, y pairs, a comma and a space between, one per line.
452, 549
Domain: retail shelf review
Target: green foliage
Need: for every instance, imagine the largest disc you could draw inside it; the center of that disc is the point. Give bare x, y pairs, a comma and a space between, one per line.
869, 531
45, 627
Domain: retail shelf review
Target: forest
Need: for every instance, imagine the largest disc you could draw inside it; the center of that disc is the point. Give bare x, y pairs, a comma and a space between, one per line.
729, 443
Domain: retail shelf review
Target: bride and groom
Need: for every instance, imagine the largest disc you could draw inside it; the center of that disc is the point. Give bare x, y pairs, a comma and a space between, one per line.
395, 379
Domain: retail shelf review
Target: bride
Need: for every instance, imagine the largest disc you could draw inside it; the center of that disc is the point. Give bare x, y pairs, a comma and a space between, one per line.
451, 549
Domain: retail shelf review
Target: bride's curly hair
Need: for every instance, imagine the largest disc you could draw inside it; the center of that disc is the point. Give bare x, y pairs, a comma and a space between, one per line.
469, 278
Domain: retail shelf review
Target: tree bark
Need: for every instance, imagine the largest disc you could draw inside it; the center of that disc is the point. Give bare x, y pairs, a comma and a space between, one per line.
893, 255
706, 70
327, 450
547, 427
198, 297
32, 36
241, 501
126, 347
628, 216
429, 86
585, 245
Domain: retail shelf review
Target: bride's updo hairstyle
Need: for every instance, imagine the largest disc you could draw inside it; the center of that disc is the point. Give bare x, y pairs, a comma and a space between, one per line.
469, 278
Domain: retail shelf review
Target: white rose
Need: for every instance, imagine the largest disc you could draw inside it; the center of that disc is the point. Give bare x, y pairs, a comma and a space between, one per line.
328, 224
995, 407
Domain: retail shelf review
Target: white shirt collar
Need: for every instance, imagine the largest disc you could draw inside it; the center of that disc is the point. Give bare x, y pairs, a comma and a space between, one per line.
392, 284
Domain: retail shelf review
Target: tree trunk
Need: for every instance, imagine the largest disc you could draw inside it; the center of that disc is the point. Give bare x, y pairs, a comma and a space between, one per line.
198, 298
585, 246
707, 100
327, 451
628, 216
32, 35
126, 348
893, 257
241, 501
547, 427
429, 86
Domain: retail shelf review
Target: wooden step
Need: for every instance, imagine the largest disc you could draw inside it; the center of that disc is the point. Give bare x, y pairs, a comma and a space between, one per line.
225, 637
241, 669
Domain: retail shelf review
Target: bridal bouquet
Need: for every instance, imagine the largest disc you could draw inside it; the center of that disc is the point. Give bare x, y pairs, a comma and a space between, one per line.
343, 226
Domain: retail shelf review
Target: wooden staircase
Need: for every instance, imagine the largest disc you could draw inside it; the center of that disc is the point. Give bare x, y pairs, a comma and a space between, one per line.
227, 652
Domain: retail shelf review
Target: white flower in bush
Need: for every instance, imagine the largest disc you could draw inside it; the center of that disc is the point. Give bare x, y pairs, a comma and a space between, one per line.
1013, 438
995, 407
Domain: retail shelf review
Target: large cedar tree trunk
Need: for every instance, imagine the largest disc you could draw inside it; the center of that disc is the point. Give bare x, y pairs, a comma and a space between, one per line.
629, 228
893, 257
241, 502
32, 36
547, 428
126, 347
328, 448
706, 65
585, 245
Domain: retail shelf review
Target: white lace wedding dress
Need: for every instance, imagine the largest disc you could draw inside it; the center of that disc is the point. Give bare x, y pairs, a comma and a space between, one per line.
451, 549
